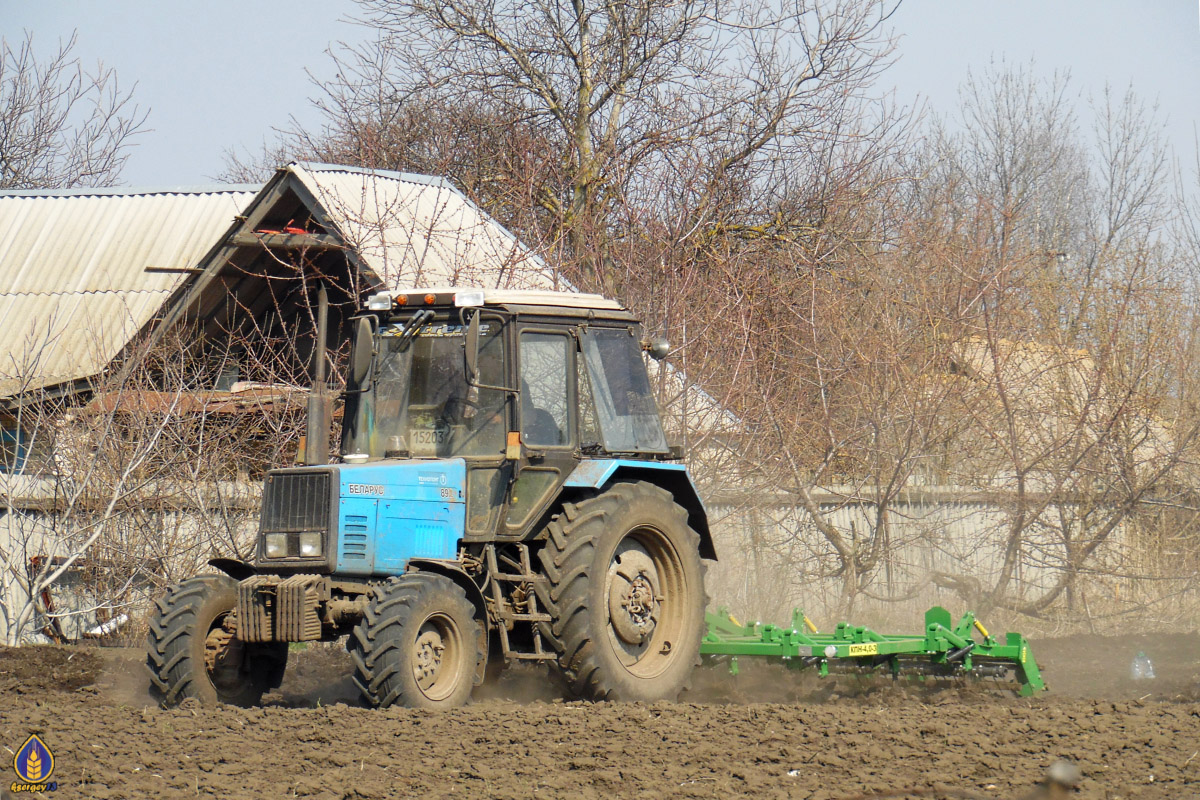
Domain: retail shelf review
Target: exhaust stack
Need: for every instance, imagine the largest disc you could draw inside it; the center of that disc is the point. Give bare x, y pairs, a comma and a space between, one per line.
316, 440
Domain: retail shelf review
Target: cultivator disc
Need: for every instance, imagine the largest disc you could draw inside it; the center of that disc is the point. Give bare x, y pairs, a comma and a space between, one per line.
943, 650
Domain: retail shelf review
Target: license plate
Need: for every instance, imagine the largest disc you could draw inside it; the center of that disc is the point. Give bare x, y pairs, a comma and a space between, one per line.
429, 436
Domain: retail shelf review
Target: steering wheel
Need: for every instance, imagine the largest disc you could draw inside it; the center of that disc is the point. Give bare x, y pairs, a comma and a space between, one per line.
453, 410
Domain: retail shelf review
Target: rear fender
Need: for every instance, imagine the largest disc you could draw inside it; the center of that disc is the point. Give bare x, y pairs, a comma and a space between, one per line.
602, 472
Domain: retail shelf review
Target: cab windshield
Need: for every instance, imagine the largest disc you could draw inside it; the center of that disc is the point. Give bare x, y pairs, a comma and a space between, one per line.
418, 403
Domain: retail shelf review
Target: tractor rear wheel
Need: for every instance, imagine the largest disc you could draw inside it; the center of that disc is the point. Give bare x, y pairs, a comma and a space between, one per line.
192, 649
626, 593
418, 645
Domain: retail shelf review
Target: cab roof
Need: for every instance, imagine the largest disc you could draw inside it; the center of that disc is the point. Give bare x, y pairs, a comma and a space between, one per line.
533, 297
472, 296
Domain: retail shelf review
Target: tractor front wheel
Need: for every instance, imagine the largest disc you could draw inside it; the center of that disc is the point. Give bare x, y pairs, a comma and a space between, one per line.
626, 593
193, 650
418, 645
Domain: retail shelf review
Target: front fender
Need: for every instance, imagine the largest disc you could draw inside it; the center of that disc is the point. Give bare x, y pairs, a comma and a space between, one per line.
238, 570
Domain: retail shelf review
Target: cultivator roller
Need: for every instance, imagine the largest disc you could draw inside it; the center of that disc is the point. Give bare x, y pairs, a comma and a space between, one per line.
943, 650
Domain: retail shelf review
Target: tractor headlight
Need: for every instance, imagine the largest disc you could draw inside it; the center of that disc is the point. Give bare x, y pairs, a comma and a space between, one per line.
276, 545
310, 544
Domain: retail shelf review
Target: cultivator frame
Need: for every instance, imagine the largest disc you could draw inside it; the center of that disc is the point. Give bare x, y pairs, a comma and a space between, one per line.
943, 650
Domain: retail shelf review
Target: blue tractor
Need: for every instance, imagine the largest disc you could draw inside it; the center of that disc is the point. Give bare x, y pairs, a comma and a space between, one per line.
504, 493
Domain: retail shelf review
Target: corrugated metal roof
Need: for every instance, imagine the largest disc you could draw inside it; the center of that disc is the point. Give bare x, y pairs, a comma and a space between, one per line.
73, 285
417, 230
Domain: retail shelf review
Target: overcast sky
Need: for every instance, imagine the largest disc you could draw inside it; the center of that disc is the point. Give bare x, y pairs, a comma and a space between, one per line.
219, 74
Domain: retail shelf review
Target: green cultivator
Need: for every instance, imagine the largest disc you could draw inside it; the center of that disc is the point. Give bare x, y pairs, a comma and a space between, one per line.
943, 650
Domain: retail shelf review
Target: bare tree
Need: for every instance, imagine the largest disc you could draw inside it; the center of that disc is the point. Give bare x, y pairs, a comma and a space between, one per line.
1074, 370
61, 126
685, 158
584, 109
1008, 327
64, 483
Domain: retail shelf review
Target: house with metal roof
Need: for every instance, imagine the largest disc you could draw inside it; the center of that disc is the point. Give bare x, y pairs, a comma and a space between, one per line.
354, 232
91, 281
83, 272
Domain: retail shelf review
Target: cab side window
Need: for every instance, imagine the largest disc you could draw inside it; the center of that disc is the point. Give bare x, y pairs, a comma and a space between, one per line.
545, 417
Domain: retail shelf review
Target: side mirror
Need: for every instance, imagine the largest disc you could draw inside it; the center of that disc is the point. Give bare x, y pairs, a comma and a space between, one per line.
471, 351
364, 351
657, 348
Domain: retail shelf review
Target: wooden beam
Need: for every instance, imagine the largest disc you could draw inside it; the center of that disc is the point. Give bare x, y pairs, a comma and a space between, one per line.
287, 241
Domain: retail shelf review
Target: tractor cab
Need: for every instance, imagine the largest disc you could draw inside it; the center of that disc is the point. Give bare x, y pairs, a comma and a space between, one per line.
521, 386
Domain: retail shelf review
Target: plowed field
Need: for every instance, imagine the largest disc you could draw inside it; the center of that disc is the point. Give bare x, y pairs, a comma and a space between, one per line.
764, 734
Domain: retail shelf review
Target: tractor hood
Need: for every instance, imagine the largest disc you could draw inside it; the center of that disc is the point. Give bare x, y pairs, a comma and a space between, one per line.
391, 511
370, 518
